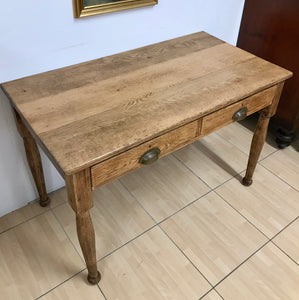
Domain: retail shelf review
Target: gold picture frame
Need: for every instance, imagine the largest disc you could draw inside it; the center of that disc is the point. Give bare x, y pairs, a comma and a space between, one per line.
83, 10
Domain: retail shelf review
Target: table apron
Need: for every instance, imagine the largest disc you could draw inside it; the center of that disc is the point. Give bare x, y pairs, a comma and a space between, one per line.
129, 160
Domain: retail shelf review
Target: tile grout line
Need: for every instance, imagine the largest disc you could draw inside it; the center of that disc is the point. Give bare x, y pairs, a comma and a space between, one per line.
274, 151
189, 204
260, 248
108, 254
289, 224
269, 238
51, 209
38, 215
242, 215
191, 171
244, 261
45, 210
192, 202
186, 256
284, 252
126, 243
68, 237
278, 177
98, 285
212, 287
206, 293
273, 242
212, 188
77, 253
111, 252
64, 281
209, 291
218, 294
260, 160
125, 187
58, 205
158, 224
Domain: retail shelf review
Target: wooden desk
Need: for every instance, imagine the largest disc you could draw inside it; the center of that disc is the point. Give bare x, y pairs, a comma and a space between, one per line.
99, 120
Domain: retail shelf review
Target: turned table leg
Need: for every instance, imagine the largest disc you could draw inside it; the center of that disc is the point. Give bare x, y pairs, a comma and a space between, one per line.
80, 198
257, 145
260, 134
34, 160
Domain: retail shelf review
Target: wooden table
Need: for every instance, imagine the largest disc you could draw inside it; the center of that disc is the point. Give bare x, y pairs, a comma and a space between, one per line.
99, 120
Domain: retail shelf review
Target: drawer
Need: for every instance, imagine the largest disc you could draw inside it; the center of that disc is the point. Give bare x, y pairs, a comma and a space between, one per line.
224, 116
128, 161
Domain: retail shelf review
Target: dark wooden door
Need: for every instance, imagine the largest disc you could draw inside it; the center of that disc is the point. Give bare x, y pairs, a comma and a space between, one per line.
270, 29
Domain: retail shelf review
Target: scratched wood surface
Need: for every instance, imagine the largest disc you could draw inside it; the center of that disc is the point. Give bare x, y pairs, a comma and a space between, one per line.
89, 112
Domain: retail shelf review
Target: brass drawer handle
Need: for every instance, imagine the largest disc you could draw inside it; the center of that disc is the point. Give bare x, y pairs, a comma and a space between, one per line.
150, 156
240, 114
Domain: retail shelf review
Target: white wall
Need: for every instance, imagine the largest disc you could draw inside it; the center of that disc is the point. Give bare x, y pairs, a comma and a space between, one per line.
37, 36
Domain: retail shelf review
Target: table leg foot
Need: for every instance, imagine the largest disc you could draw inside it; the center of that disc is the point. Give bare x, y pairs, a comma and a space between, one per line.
44, 201
246, 182
94, 280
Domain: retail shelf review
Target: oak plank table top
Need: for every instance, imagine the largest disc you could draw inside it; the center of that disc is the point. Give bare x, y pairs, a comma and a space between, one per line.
85, 113
92, 114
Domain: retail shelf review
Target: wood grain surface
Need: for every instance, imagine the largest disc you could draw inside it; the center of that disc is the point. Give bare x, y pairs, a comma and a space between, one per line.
90, 112
34, 161
223, 117
128, 161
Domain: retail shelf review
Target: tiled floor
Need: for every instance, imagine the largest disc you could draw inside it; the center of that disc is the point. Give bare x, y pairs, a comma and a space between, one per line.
183, 228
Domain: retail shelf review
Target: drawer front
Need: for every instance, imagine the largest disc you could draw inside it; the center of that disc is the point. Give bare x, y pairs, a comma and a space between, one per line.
224, 116
128, 161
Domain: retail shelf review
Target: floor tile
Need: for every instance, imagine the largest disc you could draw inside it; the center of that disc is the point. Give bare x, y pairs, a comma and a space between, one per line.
288, 240
30, 211
213, 159
213, 236
269, 274
241, 137
150, 267
21, 215
269, 203
75, 289
116, 215
35, 257
212, 296
285, 164
164, 187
